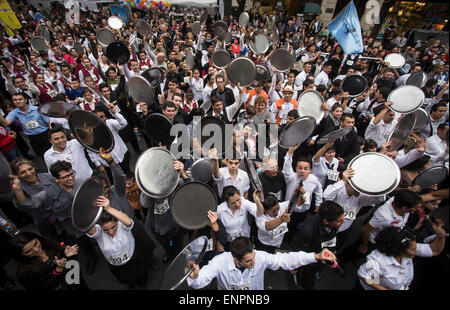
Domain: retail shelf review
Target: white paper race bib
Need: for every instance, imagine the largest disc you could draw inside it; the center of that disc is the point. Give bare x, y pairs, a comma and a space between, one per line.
350, 62
32, 124
349, 213
94, 77
332, 175
161, 208
186, 79
119, 259
279, 231
210, 245
384, 136
348, 110
67, 158
143, 68
329, 244
242, 287
234, 235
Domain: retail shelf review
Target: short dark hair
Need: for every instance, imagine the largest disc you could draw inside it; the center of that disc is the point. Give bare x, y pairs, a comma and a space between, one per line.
431, 82
370, 144
58, 166
335, 91
330, 211
269, 202
103, 85
240, 247
168, 104
394, 241
320, 88
214, 99
55, 129
384, 91
229, 191
406, 198
306, 160
345, 115
293, 113
438, 105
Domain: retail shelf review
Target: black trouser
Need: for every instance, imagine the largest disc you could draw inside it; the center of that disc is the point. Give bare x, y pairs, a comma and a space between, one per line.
170, 241
296, 219
349, 252
5, 253
264, 247
40, 143
306, 274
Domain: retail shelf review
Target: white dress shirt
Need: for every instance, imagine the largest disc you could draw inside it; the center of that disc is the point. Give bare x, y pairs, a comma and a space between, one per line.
300, 78
379, 132
320, 169
229, 277
74, 154
388, 272
385, 216
236, 224
403, 159
275, 236
118, 250
322, 79
337, 192
242, 183
436, 149
311, 185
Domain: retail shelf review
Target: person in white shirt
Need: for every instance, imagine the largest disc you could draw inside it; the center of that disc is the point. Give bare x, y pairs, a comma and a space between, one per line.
71, 151
272, 225
402, 79
229, 175
352, 201
437, 147
325, 165
311, 185
115, 239
120, 152
322, 78
390, 266
381, 126
301, 77
243, 268
394, 212
234, 210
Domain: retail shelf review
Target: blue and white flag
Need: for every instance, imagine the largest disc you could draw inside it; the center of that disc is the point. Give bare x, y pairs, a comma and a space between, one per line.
346, 29
119, 11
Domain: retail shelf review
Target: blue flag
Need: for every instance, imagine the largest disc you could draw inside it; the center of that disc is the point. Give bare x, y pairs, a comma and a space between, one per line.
346, 29
119, 11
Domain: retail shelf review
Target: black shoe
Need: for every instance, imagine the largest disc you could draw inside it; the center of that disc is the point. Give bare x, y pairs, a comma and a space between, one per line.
90, 268
166, 258
7, 284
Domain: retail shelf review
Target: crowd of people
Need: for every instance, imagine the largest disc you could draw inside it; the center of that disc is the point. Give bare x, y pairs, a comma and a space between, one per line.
402, 243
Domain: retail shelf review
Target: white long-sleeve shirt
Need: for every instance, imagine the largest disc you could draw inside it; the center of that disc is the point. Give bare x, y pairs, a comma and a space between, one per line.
311, 185
379, 132
236, 224
74, 154
275, 236
436, 149
352, 204
229, 277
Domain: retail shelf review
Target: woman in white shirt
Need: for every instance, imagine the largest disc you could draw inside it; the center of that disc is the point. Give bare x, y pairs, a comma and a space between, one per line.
390, 266
272, 225
325, 165
196, 84
113, 234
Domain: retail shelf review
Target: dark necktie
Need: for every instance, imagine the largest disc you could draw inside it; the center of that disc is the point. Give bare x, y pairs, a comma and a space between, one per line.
327, 180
